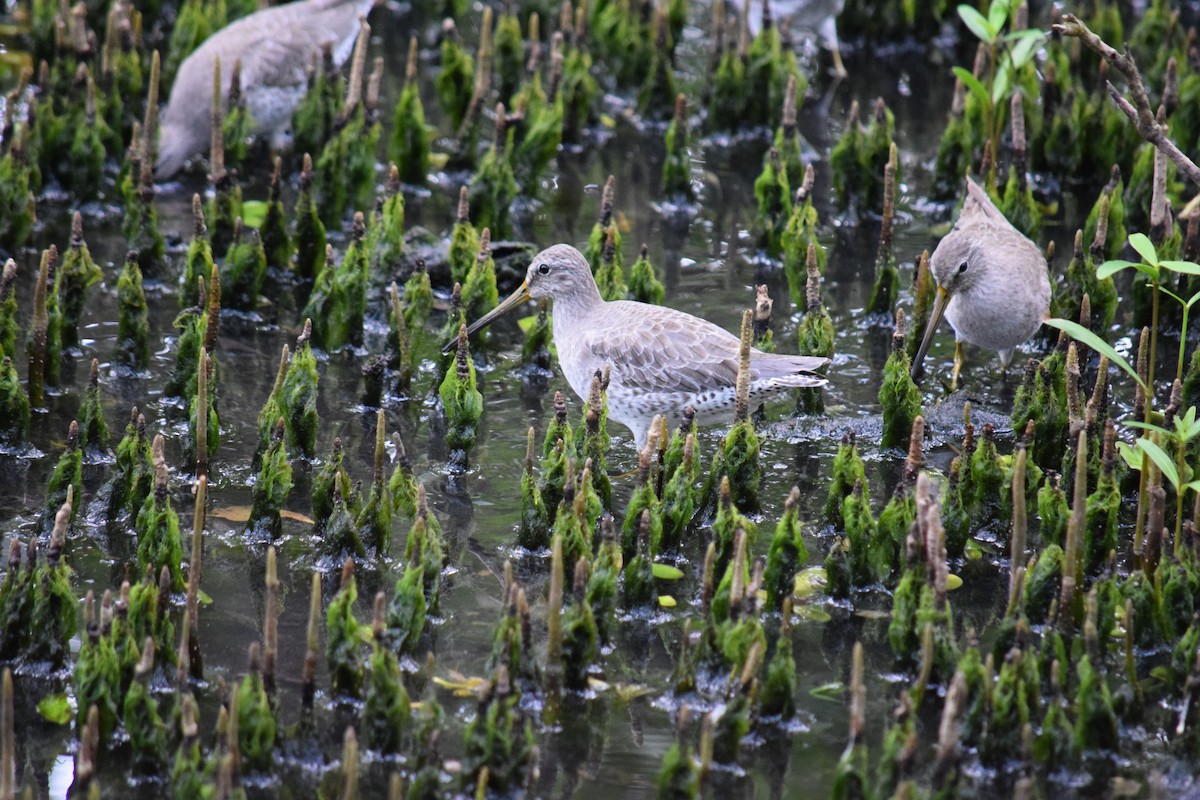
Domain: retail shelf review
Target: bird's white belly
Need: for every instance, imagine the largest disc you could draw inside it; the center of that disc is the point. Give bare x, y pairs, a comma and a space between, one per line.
992, 321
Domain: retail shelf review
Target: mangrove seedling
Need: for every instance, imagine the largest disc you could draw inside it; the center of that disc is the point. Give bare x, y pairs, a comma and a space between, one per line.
461, 402
338, 302
272, 487
14, 406
160, 544
677, 167
132, 348
786, 556
774, 196
799, 234
256, 726
387, 713
499, 743
147, 732
456, 77
198, 264
493, 186
309, 232
276, 242
410, 142
299, 397
644, 506
534, 531
859, 157
580, 634
374, 520
66, 480
815, 335
402, 485
887, 278
639, 588
479, 292
343, 648
74, 276
603, 229
898, 395
244, 267
847, 470
644, 285
8, 309
316, 115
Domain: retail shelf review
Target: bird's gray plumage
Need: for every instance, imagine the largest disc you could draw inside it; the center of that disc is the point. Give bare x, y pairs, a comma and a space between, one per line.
275, 46
662, 360
1002, 296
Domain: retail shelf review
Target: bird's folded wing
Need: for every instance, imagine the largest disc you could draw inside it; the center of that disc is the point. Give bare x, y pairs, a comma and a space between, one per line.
666, 354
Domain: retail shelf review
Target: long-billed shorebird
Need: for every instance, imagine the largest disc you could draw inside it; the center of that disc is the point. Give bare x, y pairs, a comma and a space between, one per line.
661, 360
993, 284
275, 47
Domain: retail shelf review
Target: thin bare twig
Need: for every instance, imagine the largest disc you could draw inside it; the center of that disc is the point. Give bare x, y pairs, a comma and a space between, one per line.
1139, 111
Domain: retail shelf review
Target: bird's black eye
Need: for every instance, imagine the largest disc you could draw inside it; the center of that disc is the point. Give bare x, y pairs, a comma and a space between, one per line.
544, 269
962, 268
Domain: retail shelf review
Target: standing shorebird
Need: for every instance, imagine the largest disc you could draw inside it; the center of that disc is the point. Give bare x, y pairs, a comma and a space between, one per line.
662, 360
275, 47
993, 284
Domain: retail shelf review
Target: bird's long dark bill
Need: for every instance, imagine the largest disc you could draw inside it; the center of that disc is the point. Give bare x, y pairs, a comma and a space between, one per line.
508, 304
939, 308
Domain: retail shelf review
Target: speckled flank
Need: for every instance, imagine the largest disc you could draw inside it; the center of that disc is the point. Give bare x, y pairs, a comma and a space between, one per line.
662, 360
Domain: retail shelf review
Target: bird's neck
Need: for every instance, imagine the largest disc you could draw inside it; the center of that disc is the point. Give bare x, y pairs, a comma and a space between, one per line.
577, 304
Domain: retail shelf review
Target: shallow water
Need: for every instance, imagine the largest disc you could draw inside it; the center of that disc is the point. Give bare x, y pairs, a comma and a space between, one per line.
614, 747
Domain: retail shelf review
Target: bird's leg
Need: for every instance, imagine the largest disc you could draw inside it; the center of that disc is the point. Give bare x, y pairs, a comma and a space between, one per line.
958, 365
828, 32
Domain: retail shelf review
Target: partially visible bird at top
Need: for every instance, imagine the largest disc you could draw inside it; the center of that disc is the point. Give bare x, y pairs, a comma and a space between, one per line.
993, 283
275, 47
661, 360
818, 16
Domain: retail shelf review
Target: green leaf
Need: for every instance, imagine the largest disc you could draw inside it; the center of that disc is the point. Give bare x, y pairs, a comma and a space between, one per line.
813, 614
973, 85
977, 23
1149, 270
1144, 247
56, 708
254, 213
1027, 33
1001, 83
1023, 50
666, 601
997, 14
828, 691
1185, 267
1161, 460
808, 582
665, 572
1133, 458
1146, 426
1082, 334
1110, 268
1193, 486
953, 582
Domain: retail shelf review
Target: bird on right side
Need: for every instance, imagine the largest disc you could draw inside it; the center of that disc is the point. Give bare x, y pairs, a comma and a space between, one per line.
993, 284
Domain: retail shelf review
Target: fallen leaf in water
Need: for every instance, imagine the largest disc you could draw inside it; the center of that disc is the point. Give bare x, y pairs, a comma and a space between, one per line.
461, 685
242, 514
